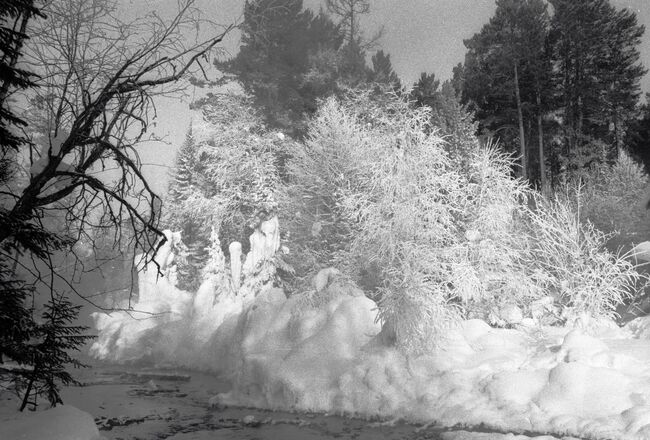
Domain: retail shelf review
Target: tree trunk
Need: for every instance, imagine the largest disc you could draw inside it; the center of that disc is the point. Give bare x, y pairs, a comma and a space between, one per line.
32, 378
540, 135
522, 139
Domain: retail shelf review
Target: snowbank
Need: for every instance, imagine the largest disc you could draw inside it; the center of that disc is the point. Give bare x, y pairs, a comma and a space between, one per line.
510, 380
63, 422
331, 356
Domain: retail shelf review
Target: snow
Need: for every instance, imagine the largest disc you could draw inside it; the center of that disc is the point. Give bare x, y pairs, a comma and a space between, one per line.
63, 422
641, 251
591, 380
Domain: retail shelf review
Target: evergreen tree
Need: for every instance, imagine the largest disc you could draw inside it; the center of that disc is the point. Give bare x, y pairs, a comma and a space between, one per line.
279, 41
425, 91
382, 71
14, 16
504, 73
186, 182
16, 322
186, 170
347, 14
50, 355
594, 50
448, 115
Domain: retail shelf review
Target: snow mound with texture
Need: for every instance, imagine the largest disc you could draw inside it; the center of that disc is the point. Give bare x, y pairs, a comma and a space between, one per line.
63, 422
332, 356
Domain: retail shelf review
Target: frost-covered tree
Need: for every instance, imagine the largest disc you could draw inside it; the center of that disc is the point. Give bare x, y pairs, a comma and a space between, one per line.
184, 184
185, 175
448, 115
232, 184
378, 193
380, 197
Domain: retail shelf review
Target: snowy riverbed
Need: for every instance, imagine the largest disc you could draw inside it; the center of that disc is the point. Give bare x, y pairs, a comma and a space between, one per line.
150, 405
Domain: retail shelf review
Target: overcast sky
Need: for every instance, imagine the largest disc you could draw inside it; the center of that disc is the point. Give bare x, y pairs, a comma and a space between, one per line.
420, 35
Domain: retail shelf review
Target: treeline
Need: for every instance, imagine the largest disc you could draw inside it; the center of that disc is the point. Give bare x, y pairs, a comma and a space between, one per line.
291, 57
555, 82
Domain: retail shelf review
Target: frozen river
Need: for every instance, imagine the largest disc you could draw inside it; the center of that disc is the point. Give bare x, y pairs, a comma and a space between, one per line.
148, 404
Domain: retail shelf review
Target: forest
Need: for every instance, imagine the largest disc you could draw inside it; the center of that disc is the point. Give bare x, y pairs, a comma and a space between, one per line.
322, 209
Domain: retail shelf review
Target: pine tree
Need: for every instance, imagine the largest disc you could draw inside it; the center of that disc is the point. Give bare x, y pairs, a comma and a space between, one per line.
425, 91
595, 51
448, 115
382, 71
279, 42
347, 14
503, 73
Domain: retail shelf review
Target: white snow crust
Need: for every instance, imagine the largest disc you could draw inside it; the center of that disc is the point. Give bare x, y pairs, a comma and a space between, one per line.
592, 381
63, 422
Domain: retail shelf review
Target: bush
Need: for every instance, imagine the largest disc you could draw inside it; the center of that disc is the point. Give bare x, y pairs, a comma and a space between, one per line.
379, 197
576, 268
378, 193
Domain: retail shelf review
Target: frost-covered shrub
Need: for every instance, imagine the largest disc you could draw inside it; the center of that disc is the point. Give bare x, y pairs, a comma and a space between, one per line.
377, 195
490, 276
375, 192
570, 261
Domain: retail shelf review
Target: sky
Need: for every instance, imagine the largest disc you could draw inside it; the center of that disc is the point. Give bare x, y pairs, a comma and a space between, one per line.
420, 36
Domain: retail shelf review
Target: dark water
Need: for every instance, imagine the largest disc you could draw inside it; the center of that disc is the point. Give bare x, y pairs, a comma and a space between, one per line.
164, 404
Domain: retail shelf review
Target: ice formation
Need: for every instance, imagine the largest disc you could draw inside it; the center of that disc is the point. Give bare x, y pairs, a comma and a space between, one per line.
327, 353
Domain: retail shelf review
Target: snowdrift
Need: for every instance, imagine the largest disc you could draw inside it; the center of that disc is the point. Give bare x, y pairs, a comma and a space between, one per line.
289, 353
63, 422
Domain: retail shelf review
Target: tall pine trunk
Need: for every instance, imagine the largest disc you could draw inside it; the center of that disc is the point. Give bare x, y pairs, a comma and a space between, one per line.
540, 135
522, 139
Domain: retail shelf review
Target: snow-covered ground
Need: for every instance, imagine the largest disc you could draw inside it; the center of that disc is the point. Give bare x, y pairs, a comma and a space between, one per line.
61, 423
282, 353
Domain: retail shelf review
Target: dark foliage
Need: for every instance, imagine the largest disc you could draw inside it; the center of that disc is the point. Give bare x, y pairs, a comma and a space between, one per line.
53, 340
14, 15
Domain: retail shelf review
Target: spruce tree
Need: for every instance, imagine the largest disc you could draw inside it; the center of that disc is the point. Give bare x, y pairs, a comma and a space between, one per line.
187, 182
50, 354
186, 170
